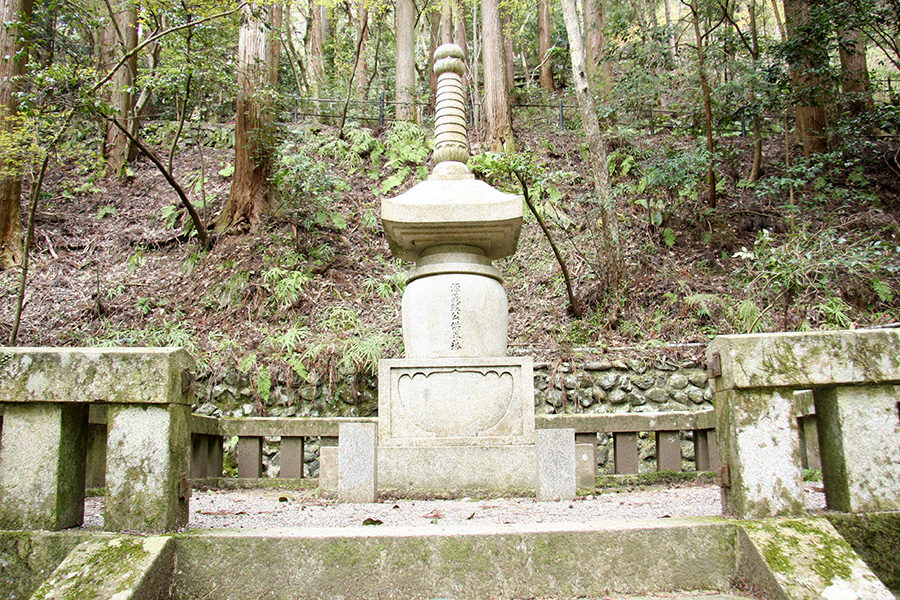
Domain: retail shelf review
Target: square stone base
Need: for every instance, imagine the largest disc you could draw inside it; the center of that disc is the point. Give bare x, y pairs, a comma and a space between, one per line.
454, 470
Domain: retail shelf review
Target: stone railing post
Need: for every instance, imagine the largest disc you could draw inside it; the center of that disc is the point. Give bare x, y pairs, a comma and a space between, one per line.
854, 376
46, 393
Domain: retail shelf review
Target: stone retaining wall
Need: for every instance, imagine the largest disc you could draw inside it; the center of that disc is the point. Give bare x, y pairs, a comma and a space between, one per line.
590, 387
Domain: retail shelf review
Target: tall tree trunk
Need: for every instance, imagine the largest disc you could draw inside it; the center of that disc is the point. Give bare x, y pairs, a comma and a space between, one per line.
855, 73
254, 121
707, 104
509, 55
599, 68
446, 22
461, 39
756, 167
123, 39
545, 44
314, 49
15, 15
778, 21
460, 32
808, 54
671, 45
362, 68
476, 81
611, 247
499, 135
297, 67
434, 40
405, 15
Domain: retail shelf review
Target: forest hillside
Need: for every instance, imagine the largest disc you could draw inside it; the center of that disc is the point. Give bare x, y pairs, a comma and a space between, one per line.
209, 175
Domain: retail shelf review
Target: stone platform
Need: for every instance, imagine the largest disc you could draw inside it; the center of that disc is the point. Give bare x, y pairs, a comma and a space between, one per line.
656, 558
456, 424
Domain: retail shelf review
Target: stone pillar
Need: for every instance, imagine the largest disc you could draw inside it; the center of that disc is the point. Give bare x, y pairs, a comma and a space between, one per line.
249, 457
591, 440
706, 457
357, 462
148, 462
859, 437
43, 451
292, 450
199, 456
668, 451
95, 476
585, 467
328, 468
456, 413
555, 477
760, 443
625, 452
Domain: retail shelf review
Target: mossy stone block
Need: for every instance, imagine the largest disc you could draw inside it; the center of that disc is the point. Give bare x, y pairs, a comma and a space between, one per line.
858, 431
757, 437
43, 449
114, 568
807, 559
806, 360
106, 375
147, 466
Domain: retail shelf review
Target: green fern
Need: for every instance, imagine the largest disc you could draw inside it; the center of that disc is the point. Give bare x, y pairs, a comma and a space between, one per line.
286, 286
748, 315
264, 384
883, 291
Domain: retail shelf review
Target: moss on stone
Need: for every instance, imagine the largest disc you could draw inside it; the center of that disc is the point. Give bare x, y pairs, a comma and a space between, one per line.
876, 539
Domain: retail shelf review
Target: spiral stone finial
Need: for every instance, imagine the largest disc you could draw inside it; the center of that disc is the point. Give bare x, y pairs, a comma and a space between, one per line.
451, 144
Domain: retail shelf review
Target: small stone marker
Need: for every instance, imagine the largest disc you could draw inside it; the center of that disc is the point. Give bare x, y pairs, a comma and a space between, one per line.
328, 468
585, 465
555, 477
357, 462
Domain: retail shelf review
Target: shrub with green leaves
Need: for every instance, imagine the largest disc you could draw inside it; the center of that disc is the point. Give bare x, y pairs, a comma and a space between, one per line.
819, 271
304, 188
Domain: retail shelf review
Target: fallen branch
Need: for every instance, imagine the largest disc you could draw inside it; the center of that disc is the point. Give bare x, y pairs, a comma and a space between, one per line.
204, 238
574, 303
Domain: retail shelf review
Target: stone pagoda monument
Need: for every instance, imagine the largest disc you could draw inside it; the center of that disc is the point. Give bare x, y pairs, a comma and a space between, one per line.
456, 414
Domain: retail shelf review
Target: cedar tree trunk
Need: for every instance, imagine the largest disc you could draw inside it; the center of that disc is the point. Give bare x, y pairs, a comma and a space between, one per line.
544, 45
122, 37
13, 56
254, 121
499, 135
406, 60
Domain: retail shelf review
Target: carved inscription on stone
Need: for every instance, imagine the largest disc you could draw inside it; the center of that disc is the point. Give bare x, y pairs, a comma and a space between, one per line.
455, 323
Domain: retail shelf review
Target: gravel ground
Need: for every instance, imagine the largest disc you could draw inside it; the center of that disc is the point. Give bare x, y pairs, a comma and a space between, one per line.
272, 508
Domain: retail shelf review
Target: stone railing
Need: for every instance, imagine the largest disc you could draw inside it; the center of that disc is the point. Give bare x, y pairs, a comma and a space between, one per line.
209, 436
47, 395
625, 427
854, 378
